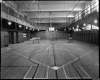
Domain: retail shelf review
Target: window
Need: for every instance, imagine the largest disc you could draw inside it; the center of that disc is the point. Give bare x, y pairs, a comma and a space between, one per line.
80, 15
95, 27
92, 6
95, 5
88, 27
87, 9
76, 17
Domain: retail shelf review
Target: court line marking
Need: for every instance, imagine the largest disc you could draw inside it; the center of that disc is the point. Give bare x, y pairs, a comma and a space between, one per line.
50, 67
65, 73
28, 72
20, 54
48, 47
31, 59
85, 72
79, 57
59, 67
28, 58
74, 78
40, 78
28, 78
62, 65
89, 52
86, 78
40, 63
71, 77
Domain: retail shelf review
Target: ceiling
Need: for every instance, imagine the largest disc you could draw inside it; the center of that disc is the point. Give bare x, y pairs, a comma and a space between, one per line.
56, 13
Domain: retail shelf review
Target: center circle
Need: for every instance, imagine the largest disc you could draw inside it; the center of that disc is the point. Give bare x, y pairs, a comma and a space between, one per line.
53, 57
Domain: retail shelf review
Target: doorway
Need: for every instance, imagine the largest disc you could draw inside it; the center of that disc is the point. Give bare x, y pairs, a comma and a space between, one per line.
16, 37
11, 37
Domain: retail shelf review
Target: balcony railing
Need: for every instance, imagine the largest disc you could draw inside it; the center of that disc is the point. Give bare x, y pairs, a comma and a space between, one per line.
85, 13
11, 12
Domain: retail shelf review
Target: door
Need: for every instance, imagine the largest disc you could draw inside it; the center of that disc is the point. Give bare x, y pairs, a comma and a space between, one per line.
11, 37
16, 37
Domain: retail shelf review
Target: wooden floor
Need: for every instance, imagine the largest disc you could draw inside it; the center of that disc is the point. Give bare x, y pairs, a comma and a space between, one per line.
50, 60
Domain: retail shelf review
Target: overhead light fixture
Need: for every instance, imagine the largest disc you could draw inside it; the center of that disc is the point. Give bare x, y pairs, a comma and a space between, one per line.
69, 28
26, 27
79, 29
9, 23
20, 26
77, 26
84, 24
95, 21
76, 29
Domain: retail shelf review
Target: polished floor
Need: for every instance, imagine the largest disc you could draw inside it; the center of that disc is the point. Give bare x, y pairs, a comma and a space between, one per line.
57, 59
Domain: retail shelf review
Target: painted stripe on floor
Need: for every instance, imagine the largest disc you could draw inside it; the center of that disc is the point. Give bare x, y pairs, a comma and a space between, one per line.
85, 73
28, 72
49, 47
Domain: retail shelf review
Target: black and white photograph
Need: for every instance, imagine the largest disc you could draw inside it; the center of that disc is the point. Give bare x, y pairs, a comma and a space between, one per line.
50, 39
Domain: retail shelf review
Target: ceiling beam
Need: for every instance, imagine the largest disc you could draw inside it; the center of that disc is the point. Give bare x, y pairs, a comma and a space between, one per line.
45, 6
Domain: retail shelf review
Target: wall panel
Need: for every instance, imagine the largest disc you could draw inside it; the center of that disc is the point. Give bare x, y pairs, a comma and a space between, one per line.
14, 37
87, 36
4, 38
20, 37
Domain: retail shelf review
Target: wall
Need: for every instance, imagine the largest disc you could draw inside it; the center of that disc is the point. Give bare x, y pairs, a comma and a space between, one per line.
87, 36
61, 35
40, 34
51, 35
20, 36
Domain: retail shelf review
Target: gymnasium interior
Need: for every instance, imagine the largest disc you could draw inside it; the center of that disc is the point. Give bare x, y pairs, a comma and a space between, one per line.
50, 39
